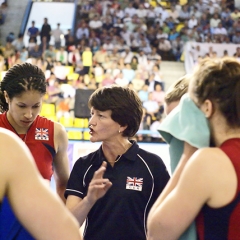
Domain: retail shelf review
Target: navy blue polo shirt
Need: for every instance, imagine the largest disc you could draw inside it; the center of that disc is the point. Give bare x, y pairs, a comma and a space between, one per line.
137, 180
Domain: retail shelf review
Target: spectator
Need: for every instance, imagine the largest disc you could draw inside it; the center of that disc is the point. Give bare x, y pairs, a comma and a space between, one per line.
62, 56
158, 9
96, 24
165, 49
196, 13
214, 21
23, 55
173, 34
174, 13
31, 44
87, 60
151, 16
95, 47
108, 46
142, 58
98, 72
235, 15
154, 56
158, 94
128, 72
54, 90
45, 32
184, 14
107, 25
18, 43
151, 106
57, 36
161, 34
177, 48
119, 12
107, 79
50, 53
82, 31
10, 37
138, 82
74, 57
192, 22
121, 80
220, 31
145, 125
125, 34
134, 63
155, 135
165, 14
141, 12
100, 55
66, 37
2, 63
130, 10
63, 108
236, 38
8, 51
143, 93
36, 52
3, 12
33, 32
93, 37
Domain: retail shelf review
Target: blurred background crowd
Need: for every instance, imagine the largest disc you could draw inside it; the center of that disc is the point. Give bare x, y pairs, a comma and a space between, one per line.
120, 42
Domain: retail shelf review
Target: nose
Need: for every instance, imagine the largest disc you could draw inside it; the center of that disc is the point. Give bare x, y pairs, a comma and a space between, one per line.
91, 122
28, 114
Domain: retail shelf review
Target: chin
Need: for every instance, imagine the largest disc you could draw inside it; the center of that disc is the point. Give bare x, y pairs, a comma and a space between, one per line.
93, 140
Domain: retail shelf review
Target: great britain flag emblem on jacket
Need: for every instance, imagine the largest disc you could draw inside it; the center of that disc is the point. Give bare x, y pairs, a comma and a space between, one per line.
41, 134
134, 183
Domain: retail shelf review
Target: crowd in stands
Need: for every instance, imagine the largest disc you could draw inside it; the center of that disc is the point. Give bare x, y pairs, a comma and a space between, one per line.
3, 11
121, 42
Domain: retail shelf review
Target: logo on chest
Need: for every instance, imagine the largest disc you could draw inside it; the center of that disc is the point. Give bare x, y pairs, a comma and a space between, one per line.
134, 183
41, 134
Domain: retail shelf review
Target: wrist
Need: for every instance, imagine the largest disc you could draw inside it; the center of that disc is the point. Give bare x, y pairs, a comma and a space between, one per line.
88, 202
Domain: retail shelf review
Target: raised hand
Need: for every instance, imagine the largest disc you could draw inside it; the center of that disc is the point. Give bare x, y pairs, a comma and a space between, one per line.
98, 185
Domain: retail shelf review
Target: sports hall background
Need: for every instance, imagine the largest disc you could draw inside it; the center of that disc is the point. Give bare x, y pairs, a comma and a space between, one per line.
18, 15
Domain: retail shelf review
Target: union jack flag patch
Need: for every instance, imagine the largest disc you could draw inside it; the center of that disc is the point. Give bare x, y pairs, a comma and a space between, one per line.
134, 183
41, 134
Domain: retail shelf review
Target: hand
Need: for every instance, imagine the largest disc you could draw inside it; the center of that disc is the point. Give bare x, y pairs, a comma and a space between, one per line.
98, 185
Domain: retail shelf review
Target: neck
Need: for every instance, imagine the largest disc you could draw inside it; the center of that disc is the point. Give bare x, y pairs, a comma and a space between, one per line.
112, 151
221, 132
222, 136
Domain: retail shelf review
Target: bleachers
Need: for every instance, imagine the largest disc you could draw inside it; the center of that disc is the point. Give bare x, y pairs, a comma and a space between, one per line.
77, 128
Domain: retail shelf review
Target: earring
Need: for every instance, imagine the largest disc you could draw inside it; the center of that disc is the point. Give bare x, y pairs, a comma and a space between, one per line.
119, 131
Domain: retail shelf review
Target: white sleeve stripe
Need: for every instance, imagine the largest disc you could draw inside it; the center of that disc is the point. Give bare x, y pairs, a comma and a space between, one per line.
84, 184
145, 229
71, 190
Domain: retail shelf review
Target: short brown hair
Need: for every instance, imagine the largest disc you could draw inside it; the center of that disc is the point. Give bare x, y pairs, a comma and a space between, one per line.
124, 103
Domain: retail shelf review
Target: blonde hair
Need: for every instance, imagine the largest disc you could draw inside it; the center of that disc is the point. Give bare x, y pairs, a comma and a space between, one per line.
177, 89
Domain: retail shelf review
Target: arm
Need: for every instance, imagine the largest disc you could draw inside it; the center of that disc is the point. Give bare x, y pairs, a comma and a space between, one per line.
188, 151
179, 208
60, 162
96, 189
30, 196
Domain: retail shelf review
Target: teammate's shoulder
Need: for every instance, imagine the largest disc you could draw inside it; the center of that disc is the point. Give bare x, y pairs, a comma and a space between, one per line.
207, 157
